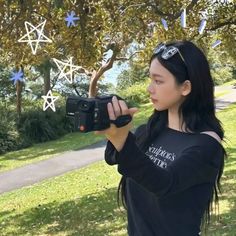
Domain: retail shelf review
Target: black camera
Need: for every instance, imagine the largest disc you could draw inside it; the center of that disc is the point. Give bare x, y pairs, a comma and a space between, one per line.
91, 114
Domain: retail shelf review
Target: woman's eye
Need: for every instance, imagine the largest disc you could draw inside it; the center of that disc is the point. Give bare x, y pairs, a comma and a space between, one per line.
158, 82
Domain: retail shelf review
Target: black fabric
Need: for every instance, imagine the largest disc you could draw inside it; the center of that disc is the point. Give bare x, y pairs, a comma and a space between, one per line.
169, 184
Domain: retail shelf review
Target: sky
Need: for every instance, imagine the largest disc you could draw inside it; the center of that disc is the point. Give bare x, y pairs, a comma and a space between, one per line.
112, 74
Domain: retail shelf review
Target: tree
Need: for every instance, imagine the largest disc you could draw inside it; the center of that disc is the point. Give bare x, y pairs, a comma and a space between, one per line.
107, 25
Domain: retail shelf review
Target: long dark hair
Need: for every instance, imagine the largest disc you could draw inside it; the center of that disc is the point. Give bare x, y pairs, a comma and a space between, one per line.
197, 110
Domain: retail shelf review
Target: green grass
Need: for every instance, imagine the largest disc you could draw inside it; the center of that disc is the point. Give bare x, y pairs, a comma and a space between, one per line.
73, 141
83, 202
221, 93
79, 203
226, 225
232, 82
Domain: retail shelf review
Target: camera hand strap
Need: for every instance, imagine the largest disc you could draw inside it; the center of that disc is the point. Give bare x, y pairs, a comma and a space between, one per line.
121, 120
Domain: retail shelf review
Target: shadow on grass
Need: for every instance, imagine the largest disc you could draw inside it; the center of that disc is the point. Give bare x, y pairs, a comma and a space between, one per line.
95, 214
225, 224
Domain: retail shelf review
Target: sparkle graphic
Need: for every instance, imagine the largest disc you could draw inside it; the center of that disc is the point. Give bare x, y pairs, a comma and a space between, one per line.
18, 76
49, 100
71, 18
202, 26
204, 14
67, 69
34, 36
183, 18
216, 43
164, 22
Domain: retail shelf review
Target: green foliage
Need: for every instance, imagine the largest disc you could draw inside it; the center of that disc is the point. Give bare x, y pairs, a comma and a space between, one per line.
135, 74
40, 126
81, 87
222, 75
10, 139
136, 94
221, 65
33, 126
7, 90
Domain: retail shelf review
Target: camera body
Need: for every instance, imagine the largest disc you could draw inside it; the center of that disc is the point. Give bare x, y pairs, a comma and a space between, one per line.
89, 114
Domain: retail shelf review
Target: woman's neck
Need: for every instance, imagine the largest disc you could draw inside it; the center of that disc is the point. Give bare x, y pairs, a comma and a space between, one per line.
174, 120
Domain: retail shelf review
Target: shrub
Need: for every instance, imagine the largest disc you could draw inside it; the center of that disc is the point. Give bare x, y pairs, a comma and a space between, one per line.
222, 75
136, 94
42, 126
10, 138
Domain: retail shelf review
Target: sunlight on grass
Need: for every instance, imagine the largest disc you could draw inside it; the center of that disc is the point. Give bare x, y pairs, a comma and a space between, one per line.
81, 202
221, 93
232, 82
226, 225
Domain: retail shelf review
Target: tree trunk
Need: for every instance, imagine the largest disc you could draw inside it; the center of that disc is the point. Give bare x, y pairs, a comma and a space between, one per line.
96, 75
46, 77
19, 86
18, 97
93, 84
45, 69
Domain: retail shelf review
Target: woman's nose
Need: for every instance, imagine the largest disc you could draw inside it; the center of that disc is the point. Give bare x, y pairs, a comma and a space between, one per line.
149, 88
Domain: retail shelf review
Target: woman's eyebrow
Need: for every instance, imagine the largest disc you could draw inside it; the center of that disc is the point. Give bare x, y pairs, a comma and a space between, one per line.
155, 75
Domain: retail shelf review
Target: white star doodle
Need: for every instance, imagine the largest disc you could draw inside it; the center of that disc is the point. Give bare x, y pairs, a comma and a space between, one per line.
66, 69
71, 18
34, 36
18, 76
50, 103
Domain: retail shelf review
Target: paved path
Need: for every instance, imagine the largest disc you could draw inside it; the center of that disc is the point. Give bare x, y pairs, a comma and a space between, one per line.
227, 99
36, 172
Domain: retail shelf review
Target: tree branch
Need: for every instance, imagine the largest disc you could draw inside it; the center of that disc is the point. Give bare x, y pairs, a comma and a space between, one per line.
216, 27
176, 15
97, 74
127, 58
220, 25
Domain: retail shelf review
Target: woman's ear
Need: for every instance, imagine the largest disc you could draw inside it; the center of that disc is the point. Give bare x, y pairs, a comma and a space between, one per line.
186, 87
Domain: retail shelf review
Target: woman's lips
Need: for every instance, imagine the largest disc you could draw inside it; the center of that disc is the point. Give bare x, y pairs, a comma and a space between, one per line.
153, 100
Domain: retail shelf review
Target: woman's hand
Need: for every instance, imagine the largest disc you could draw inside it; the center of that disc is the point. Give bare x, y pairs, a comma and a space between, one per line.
117, 136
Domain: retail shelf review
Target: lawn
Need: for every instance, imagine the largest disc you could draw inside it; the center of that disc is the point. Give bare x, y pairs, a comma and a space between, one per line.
83, 202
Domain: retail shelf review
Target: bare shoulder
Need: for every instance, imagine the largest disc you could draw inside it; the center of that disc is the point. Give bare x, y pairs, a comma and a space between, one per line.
213, 134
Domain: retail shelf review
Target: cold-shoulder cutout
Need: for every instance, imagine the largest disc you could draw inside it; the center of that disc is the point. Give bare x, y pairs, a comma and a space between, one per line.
213, 134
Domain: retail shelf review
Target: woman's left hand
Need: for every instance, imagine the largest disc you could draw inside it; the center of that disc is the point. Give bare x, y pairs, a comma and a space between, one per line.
117, 136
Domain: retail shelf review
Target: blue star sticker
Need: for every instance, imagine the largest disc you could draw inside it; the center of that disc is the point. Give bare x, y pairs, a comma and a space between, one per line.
71, 18
18, 76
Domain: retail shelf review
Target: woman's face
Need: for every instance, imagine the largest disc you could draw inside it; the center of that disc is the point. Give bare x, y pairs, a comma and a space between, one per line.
163, 89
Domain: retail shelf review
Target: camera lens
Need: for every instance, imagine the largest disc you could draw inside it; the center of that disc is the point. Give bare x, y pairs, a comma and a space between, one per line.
83, 105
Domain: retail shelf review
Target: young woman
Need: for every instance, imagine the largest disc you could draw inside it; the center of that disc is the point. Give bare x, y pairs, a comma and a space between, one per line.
171, 167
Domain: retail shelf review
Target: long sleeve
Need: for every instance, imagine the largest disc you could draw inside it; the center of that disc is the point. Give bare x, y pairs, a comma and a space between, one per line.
111, 153
194, 166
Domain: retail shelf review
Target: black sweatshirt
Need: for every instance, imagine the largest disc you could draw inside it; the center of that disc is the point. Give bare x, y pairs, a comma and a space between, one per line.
168, 186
